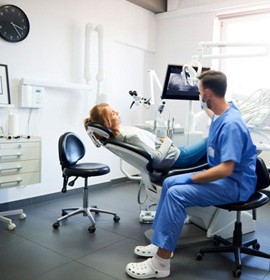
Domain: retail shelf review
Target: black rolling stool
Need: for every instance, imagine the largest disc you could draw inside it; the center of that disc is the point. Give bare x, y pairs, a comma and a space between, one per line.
237, 247
71, 150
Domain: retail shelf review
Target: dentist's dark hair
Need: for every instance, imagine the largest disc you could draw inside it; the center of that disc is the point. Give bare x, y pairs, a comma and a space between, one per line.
215, 81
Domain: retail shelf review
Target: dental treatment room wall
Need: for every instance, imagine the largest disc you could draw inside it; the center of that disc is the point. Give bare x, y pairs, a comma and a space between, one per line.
54, 53
135, 40
179, 31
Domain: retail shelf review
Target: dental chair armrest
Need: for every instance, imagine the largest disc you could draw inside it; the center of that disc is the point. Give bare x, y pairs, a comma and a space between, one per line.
158, 176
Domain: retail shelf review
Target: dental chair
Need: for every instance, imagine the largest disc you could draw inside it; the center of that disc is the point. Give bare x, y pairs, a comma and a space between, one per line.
209, 220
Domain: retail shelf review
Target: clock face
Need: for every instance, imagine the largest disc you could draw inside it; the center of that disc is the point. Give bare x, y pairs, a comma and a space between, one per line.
14, 24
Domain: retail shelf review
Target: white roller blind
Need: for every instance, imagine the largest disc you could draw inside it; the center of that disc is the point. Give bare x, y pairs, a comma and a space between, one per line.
246, 75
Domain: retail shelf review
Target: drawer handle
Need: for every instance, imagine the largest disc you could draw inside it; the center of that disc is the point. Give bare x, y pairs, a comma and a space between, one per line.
11, 168
11, 155
11, 182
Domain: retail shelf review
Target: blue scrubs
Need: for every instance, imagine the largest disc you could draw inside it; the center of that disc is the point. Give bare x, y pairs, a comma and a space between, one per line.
228, 139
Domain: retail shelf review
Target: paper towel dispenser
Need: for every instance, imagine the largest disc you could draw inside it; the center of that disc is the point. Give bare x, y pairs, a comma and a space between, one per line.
31, 96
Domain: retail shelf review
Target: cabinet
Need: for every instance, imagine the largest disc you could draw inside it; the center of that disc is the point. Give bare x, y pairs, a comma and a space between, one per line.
20, 162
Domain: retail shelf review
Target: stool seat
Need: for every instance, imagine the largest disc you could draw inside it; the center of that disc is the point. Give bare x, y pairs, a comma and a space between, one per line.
258, 199
86, 170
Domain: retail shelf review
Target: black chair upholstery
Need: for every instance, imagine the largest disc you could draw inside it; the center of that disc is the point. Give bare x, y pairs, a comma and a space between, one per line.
71, 150
237, 247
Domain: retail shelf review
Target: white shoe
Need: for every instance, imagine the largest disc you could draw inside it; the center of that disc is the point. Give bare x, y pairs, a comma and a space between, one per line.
145, 270
147, 251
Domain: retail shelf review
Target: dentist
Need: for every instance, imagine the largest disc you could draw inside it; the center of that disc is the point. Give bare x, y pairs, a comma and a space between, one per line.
231, 178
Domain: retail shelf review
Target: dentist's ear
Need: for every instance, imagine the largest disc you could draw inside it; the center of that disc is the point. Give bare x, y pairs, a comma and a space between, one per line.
208, 92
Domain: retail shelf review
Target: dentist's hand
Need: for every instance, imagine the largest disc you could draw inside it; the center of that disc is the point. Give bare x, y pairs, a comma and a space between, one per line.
180, 179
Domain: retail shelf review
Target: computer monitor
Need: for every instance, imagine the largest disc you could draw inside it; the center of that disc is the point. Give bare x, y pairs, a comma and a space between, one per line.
180, 84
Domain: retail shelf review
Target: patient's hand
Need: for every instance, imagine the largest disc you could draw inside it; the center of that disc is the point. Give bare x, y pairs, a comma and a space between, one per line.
162, 139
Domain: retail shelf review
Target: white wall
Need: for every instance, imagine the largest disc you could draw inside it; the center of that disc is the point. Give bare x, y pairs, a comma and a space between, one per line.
179, 32
181, 29
54, 51
135, 41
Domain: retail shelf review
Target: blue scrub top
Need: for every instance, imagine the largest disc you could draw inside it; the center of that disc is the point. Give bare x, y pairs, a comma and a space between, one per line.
229, 140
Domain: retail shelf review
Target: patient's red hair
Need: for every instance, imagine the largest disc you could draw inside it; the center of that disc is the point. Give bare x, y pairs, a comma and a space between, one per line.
99, 114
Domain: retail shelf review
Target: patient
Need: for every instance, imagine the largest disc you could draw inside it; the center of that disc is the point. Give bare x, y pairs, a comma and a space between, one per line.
164, 153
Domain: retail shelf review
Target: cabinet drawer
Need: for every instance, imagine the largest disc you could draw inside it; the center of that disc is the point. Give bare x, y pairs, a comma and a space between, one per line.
19, 167
19, 180
17, 145
21, 152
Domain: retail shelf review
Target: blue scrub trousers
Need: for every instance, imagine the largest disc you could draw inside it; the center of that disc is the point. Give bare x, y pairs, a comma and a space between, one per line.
176, 196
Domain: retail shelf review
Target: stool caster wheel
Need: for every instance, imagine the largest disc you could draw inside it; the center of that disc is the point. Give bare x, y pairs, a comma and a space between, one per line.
199, 256
256, 246
56, 225
11, 226
96, 212
237, 272
116, 218
64, 213
92, 229
22, 216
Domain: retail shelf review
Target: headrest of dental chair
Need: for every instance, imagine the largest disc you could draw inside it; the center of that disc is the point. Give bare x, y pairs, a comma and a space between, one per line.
98, 133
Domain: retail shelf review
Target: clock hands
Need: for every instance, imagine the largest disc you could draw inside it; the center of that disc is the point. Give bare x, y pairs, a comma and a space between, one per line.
16, 28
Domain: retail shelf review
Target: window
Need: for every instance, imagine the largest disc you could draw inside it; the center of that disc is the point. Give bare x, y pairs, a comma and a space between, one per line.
247, 74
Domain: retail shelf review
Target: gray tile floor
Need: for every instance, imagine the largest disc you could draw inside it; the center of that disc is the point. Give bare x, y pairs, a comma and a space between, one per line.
34, 250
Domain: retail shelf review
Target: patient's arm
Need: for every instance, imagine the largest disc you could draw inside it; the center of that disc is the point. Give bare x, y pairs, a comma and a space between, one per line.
163, 150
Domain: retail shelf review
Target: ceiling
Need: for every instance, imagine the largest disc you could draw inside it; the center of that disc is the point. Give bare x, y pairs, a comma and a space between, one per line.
155, 6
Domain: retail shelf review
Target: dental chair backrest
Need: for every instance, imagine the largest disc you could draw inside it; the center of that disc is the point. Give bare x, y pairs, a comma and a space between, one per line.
133, 155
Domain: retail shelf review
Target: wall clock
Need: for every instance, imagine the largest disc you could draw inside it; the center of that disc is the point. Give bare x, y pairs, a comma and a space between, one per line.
14, 24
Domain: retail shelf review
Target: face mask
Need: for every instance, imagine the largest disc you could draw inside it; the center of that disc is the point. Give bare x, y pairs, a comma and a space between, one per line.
203, 104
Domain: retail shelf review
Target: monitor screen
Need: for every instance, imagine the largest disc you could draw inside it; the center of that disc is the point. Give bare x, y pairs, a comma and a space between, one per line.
179, 85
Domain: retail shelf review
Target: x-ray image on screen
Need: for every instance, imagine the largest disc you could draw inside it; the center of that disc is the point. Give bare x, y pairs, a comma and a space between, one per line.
179, 84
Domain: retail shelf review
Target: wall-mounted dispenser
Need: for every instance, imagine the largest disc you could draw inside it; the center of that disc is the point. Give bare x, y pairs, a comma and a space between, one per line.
31, 96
